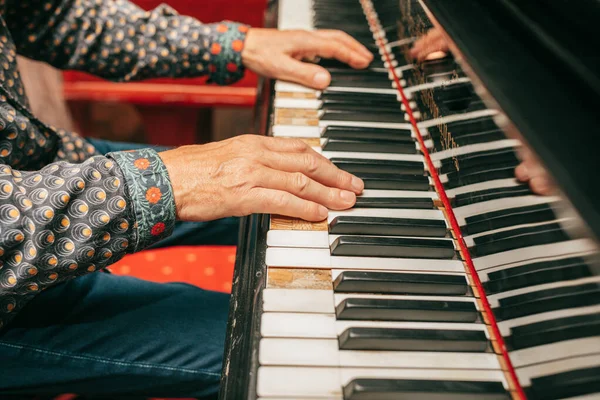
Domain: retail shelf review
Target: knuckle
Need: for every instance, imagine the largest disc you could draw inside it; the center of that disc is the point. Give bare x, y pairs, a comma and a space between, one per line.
300, 182
280, 201
311, 163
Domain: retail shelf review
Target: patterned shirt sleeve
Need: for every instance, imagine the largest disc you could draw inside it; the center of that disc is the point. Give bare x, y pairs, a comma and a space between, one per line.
117, 40
67, 220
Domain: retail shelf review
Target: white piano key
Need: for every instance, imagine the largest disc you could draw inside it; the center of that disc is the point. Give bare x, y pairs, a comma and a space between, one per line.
317, 382
304, 104
475, 148
506, 326
366, 124
435, 215
533, 253
373, 156
336, 272
556, 351
325, 301
376, 193
326, 353
370, 90
298, 300
526, 374
325, 326
303, 239
401, 42
409, 91
494, 299
321, 258
282, 86
498, 183
297, 131
456, 117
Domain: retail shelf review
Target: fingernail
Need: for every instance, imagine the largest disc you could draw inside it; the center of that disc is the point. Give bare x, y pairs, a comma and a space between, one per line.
357, 184
321, 79
347, 197
323, 212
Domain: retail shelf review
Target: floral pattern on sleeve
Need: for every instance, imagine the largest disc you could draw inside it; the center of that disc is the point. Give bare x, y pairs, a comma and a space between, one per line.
149, 188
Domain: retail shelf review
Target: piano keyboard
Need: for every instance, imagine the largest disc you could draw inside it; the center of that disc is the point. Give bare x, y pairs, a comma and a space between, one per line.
388, 300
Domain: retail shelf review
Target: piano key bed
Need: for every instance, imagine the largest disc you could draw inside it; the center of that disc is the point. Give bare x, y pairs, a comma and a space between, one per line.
448, 279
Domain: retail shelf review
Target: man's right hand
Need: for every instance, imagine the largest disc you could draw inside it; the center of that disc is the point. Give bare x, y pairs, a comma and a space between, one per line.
256, 174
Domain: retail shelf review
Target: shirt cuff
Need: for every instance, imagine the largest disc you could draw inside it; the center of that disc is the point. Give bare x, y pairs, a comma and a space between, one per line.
227, 41
149, 188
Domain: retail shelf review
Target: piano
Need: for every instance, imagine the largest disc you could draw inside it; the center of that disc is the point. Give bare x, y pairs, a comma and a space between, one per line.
448, 279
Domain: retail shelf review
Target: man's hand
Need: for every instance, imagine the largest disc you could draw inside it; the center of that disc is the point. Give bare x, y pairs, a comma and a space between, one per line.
278, 54
531, 170
255, 174
431, 45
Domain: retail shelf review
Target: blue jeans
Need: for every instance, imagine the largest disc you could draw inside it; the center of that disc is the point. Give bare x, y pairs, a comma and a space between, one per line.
120, 337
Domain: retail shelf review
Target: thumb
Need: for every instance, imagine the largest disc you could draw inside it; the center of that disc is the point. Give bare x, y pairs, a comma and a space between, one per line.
303, 73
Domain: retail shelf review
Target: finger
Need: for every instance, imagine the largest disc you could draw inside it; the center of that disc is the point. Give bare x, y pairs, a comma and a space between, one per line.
432, 42
281, 144
305, 188
522, 173
347, 40
327, 48
306, 74
541, 185
270, 201
316, 167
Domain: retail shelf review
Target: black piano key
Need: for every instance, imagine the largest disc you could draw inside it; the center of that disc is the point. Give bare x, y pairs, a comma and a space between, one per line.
420, 203
406, 310
359, 133
553, 331
480, 196
480, 159
538, 273
559, 298
355, 166
375, 115
360, 108
508, 217
400, 283
565, 384
359, 246
465, 127
366, 146
518, 238
396, 389
362, 83
388, 339
351, 225
365, 100
386, 181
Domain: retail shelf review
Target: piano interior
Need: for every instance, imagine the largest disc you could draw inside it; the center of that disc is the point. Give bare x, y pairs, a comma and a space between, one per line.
449, 279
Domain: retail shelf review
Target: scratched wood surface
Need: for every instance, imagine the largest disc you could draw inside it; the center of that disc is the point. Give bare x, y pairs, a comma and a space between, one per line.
280, 222
299, 278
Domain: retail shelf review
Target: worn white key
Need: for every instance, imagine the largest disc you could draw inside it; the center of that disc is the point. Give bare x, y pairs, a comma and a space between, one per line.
556, 351
526, 374
534, 252
303, 104
326, 381
321, 258
506, 326
326, 353
282, 86
501, 204
325, 326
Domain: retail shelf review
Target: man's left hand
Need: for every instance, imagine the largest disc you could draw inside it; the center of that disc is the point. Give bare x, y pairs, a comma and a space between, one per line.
279, 54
